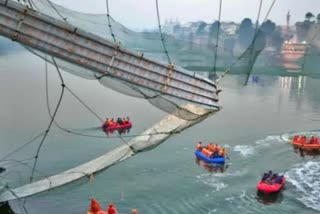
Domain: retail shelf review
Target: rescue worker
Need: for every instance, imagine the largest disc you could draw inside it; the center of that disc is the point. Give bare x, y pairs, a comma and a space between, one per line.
206, 152
295, 138
199, 146
124, 121
264, 177
105, 124
223, 152
112, 123
210, 147
216, 150
119, 121
112, 209
134, 211
95, 208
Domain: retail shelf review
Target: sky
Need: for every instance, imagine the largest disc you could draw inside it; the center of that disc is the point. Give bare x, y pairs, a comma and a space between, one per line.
141, 14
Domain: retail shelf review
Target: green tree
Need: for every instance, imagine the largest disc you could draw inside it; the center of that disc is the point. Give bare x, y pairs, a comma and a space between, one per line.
176, 29
229, 44
268, 27
309, 16
191, 38
200, 29
277, 39
245, 33
213, 30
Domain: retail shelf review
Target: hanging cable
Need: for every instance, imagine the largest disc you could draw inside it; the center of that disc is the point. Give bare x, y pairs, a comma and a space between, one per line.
161, 34
51, 121
217, 41
109, 22
57, 11
82, 102
32, 5
21, 147
254, 38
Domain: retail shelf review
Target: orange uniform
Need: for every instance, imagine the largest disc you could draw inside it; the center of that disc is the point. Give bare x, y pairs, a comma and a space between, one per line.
216, 148
112, 209
222, 152
206, 152
95, 208
210, 147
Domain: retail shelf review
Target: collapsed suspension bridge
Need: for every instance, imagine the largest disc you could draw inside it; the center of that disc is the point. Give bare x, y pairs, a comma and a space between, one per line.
191, 96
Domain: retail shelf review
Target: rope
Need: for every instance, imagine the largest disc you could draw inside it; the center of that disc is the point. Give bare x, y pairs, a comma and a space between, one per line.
267, 15
109, 22
57, 11
32, 4
161, 34
15, 195
217, 40
24, 145
51, 121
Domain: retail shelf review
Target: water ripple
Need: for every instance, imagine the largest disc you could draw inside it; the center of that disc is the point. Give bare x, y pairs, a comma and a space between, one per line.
305, 177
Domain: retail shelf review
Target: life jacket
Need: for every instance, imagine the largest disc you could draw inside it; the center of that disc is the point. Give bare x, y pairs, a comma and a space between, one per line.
311, 141
95, 208
124, 121
112, 210
316, 140
222, 153
206, 152
216, 148
302, 140
295, 138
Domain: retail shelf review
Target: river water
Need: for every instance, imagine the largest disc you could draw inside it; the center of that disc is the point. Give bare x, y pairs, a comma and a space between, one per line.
166, 179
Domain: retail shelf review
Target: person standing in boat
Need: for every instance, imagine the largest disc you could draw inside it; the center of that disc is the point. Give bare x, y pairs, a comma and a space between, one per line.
112, 209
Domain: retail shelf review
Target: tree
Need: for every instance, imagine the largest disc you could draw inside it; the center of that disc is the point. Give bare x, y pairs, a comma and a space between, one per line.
246, 33
176, 29
191, 38
268, 27
200, 29
277, 39
309, 16
229, 44
318, 18
213, 31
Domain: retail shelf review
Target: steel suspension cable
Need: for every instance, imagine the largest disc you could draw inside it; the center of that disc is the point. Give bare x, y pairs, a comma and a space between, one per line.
57, 11
217, 40
51, 121
109, 22
161, 34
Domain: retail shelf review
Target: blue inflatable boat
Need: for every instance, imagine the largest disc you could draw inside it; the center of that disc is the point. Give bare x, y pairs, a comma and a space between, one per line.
220, 160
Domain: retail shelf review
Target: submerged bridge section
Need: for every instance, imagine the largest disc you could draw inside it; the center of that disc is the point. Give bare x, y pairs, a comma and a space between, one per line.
103, 58
168, 125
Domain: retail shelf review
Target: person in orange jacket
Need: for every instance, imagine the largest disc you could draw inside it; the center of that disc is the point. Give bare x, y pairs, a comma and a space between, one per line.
223, 152
95, 208
210, 147
112, 209
199, 146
